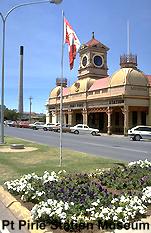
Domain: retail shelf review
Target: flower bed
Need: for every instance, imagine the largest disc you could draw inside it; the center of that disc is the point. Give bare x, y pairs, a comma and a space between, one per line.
82, 198
133, 178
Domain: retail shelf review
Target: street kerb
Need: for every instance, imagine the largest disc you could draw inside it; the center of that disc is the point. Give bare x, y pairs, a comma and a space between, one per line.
19, 211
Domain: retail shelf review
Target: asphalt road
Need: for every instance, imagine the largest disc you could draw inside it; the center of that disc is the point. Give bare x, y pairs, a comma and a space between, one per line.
115, 147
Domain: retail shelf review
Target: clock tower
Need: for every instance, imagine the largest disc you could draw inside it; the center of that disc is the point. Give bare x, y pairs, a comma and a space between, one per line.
93, 60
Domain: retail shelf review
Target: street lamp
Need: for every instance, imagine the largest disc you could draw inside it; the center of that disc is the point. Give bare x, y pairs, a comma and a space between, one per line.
4, 18
56, 1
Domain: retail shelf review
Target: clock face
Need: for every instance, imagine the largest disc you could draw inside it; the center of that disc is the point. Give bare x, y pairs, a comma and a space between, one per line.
84, 61
98, 60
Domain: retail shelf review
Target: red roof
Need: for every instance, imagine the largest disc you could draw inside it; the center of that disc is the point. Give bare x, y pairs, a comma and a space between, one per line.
92, 42
100, 84
149, 79
65, 91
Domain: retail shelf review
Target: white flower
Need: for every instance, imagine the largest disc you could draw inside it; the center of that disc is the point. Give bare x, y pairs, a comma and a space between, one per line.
59, 210
119, 209
61, 171
114, 200
105, 210
95, 203
49, 177
66, 206
74, 217
115, 218
140, 163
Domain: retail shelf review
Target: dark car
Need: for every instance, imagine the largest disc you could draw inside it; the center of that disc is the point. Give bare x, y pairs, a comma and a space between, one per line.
48, 126
65, 128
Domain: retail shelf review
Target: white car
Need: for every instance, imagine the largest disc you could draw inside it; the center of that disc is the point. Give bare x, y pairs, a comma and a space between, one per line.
37, 125
48, 126
81, 128
140, 132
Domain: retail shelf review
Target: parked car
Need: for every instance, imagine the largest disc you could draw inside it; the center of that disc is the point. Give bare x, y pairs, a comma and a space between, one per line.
48, 126
8, 123
13, 123
65, 128
37, 125
56, 127
140, 132
23, 124
81, 128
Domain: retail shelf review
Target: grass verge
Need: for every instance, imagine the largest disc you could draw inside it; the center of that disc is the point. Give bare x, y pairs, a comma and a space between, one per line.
13, 165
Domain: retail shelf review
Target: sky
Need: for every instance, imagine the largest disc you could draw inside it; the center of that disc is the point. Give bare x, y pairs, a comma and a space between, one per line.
39, 29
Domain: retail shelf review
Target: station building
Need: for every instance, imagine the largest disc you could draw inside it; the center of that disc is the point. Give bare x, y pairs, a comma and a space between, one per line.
112, 104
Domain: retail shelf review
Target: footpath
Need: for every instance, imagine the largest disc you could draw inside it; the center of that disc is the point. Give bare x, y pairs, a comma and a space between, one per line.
13, 215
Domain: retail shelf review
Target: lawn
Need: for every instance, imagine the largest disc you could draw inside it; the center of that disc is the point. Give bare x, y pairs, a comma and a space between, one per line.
13, 165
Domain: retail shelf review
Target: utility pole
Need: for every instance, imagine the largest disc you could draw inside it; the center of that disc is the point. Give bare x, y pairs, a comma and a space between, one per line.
30, 104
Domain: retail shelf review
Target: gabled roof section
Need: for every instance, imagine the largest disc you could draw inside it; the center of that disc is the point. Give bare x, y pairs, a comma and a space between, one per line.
93, 42
149, 79
100, 84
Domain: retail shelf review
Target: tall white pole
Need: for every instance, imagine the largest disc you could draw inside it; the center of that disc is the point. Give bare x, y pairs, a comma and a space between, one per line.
20, 103
61, 90
128, 38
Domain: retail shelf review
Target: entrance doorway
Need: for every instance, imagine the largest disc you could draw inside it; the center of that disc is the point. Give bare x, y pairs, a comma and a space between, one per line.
98, 120
79, 118
102, 117
117, 122
66, 118
143, 118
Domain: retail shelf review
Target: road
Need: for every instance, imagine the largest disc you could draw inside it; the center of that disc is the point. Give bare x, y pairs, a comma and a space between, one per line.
115, 147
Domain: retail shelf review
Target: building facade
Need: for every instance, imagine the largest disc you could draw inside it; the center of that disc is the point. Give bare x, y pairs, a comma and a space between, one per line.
113, 104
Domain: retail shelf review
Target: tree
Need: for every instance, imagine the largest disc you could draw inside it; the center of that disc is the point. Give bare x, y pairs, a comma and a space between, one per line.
11, 114
43, 118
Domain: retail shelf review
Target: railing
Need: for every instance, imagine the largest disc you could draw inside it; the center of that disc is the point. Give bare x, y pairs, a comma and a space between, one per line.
63, 80
128, 59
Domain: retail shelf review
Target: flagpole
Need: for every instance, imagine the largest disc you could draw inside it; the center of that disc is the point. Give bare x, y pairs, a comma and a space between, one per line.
128, 37
61, 89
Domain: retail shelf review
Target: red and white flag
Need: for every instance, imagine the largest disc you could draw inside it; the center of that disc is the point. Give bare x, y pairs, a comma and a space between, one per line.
72, 40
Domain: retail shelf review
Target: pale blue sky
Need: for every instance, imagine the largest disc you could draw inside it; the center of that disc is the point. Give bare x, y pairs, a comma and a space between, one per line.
39, 29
